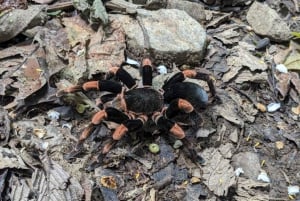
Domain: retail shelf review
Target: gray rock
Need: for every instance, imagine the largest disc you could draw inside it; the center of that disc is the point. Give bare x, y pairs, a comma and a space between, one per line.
195, 10
171, 35
249, 162
271, 26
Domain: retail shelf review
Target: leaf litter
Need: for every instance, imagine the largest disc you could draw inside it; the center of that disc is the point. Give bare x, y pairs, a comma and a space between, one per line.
69, 50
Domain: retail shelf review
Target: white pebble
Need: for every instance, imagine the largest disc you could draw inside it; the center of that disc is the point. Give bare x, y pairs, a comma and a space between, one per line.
272, 107
45, 145
162, 69
53, 115
263, 177
239, 171
132, 62
67, 125
281, 68
293, 190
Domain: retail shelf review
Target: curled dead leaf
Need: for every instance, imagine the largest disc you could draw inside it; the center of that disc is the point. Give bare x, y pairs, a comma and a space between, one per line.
195, 180
261, 107
108, 182
279, 145
40, 133
296, 110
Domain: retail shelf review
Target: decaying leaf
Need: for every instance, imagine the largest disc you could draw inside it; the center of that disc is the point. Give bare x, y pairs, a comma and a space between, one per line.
4, 127
95, 12
285, 83
218, 174
248, 190
9, 159
20, 188
241, 58
92, 52
227, 34
56, 183
78, 31
292, 62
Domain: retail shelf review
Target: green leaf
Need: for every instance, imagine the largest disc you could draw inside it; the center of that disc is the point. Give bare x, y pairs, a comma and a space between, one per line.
80, 108
295, 34
292, 62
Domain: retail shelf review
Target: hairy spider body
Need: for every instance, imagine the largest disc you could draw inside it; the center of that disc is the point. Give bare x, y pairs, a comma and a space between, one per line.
143, 101
189, 91
138, 105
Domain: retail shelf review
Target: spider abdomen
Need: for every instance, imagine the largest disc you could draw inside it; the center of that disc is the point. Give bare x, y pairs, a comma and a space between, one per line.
143, 100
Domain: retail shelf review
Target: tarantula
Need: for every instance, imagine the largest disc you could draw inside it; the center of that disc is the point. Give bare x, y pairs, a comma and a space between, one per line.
142, 104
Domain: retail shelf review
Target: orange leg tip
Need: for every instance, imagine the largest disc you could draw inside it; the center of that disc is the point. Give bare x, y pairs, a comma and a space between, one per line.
185, 106
98, 117
189, 73
90, 85
119, 132
107, 148
113, 70
85, 134
146, 62
72, 89
177, 131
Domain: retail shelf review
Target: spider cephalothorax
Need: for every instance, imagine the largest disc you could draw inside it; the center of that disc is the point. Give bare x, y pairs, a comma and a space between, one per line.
141, 104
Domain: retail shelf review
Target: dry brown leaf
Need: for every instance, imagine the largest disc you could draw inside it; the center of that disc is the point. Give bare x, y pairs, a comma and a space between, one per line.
279, 144
296, 110
218, 174
261, 107
108, 182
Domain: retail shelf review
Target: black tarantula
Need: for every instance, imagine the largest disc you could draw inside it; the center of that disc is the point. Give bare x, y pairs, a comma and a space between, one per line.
141, 104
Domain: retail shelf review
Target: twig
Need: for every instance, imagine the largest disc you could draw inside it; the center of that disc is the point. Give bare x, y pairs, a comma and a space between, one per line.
240, 139
145, 33
296, 5
60, 6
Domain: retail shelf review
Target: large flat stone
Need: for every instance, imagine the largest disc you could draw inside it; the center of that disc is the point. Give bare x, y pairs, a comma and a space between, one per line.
266, 22
172, 35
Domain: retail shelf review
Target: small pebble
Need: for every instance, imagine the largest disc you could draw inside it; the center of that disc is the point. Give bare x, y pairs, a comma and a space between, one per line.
177, 144
67, 125
281, 68
272, 107
154, 148
263, 177
132, 62
239, 171
162, 69
263, 43
293, 190
53, 115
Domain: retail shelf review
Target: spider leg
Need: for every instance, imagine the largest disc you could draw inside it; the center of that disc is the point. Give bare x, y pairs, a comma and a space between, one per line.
108, 114
123, 75
101, 85
127, 125
166, 124
178, 105
180, 77
147, 72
